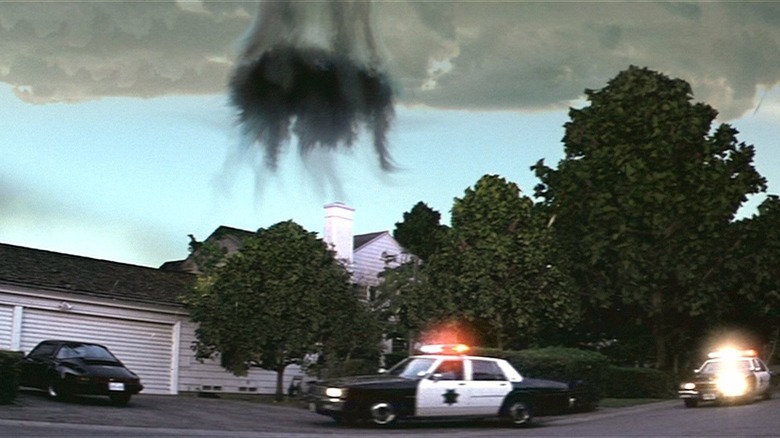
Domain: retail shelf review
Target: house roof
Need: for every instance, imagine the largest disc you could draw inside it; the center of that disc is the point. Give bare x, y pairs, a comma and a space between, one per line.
363, 239
54, 271
224, 231
238, 235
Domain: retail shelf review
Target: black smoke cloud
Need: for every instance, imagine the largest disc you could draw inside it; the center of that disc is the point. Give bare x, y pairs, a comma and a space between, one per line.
312, 70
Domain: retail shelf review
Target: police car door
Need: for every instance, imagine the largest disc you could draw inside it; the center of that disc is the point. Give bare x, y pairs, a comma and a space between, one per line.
488, 387
444, 392
762, 375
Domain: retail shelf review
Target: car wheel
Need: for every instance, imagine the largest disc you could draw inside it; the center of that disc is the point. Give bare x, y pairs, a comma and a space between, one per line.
382, 413
691, 403
519, 413
768, 393
120, 398
58, 389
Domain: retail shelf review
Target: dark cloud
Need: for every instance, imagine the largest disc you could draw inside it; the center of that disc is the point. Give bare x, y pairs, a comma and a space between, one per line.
690, 11
474, 55
313, 70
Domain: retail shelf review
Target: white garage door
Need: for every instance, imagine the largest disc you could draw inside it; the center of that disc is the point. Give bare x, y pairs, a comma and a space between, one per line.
143, 347
6, 317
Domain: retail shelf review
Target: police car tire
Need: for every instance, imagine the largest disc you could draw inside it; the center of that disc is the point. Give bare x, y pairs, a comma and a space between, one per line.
691, 402
382, 413
768, 393
519, 413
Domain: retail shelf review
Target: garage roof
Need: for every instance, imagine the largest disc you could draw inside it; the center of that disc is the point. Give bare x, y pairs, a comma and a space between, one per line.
41, 269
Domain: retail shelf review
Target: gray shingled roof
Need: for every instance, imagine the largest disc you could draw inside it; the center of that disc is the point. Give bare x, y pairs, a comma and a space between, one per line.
362, 239
48, 270
239, 235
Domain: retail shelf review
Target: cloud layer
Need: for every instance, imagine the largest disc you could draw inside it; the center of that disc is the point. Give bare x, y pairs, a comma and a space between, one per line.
466, 55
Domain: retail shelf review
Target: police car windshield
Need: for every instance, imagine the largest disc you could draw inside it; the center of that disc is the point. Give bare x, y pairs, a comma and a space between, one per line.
725, 365
412, 368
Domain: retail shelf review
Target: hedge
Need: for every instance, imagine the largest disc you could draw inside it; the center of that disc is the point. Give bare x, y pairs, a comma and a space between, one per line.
9, 375
639, 383
578, 367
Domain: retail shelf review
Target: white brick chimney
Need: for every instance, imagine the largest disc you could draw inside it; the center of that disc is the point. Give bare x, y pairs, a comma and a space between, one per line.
338, 230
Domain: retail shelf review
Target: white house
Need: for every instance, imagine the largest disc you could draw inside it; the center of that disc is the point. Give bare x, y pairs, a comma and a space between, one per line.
135, 311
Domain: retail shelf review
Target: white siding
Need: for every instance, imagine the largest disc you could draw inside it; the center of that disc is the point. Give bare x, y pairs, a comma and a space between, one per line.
144, 347
154, 344
6, 324
370, 259
209, 376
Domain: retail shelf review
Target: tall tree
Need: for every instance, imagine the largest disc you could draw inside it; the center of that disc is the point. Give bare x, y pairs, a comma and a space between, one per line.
421, 231
500, 266
282, 295
642, 200
751, 278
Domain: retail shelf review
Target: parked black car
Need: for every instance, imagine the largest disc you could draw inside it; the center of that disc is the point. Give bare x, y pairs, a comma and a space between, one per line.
445, 384
69, 368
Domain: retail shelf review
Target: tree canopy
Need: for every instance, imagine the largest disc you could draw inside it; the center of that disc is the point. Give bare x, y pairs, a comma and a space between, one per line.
643, 200
281, 296
421, 231
492, 272
502, 264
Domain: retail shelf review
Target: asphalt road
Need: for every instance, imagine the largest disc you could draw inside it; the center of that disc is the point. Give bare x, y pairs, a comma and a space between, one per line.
34, 415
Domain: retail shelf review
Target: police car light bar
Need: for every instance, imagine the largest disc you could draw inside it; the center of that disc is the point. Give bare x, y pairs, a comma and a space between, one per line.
445, 349
725, 354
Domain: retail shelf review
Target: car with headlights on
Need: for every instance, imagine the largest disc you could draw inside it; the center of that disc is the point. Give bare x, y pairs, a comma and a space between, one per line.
68, 368
441, 383
728, 376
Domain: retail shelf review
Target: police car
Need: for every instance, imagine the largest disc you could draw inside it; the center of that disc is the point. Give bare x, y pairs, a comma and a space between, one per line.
445, 383
728, 376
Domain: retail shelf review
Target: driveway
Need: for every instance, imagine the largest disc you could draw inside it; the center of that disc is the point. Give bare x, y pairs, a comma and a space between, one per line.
159, 411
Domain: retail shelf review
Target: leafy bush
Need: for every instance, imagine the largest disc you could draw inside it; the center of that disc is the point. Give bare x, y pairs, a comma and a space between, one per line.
393, 358
9, 375
626, 382
352, 367
585, 370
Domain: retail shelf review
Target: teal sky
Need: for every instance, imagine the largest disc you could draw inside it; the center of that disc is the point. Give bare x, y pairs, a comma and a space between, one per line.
104, 159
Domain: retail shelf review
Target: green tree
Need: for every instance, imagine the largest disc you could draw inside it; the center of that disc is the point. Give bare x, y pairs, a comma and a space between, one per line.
750, 278
500, 268
421, 231
403, 303
281, 296
642, 202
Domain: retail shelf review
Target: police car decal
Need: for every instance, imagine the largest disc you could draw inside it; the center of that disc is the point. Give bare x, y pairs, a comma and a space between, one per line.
450, 397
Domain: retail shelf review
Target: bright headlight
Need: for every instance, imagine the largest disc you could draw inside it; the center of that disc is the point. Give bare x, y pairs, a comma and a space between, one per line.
688, 386
335, 392
732, 384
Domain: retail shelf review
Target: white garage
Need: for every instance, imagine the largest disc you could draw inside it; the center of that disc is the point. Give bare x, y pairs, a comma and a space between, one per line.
6, 318
147, 341
144, 347
132, 310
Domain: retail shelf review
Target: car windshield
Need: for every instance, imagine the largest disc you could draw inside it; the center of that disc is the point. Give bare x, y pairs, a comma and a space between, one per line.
725, 365
90, 352
412, 368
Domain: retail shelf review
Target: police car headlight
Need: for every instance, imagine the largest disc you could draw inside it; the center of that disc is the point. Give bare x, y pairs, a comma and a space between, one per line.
336, 392
732, 384
688, 386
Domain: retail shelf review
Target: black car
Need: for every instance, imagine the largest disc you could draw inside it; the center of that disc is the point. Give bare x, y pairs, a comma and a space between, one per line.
728, 376
441, 386
69, 368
